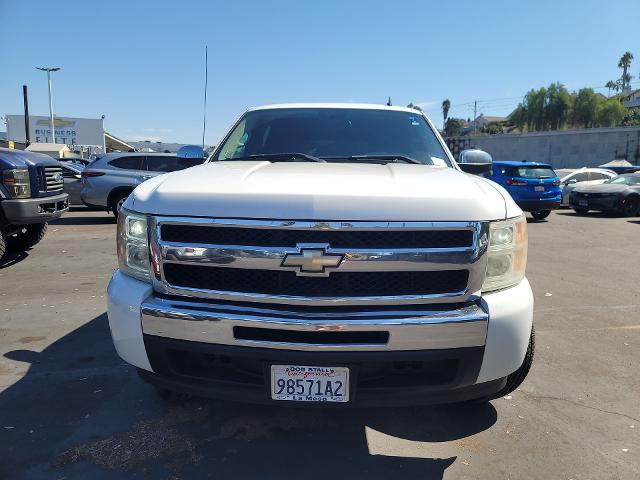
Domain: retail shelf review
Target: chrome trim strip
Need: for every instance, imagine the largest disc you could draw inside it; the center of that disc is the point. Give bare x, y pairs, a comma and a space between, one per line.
355, 260
234, 256
408, 330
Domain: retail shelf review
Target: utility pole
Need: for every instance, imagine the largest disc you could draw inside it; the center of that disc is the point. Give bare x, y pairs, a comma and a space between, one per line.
206, 81
475, 110
49, 70
25, 99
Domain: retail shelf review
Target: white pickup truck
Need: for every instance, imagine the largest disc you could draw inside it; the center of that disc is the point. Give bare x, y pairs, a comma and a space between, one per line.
330, 253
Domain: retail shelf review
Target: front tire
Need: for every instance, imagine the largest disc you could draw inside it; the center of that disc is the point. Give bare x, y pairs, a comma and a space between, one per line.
3, 247
541, 215
631, 206
116, 202
516, 378
28, 236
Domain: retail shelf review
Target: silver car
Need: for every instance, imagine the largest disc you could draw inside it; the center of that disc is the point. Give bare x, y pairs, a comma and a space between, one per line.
108, 180
72, 178
583, 176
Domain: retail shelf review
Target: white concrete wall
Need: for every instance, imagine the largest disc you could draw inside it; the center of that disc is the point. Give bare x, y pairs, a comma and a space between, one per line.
562, 149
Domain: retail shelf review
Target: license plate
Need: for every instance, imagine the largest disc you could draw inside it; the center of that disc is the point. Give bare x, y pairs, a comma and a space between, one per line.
583, 203
309, 384
538, 189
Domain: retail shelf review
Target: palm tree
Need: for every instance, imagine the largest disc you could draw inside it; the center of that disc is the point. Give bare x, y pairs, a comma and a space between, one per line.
446, 105
611, 85
624, 64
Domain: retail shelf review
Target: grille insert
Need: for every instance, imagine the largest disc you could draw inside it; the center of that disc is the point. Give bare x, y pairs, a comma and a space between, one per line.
338, 284
383, 239
50, 179
315, 338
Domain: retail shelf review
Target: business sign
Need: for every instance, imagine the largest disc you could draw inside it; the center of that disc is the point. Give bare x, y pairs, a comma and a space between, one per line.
71, 131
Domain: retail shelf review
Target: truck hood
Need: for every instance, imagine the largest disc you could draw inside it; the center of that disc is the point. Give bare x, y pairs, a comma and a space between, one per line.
323, 191
21, 159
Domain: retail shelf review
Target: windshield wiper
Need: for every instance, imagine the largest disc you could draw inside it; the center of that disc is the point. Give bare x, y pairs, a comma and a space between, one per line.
385, 158
274, 157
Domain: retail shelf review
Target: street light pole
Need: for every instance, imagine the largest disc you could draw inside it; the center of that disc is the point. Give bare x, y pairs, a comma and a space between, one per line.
49, 70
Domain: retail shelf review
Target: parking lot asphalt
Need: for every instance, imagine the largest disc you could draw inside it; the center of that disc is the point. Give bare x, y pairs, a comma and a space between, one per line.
70, 408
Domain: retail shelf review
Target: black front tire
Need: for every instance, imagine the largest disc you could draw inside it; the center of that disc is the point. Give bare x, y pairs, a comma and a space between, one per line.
116, 202
3, 247
541, 215
28, 236
631, 206
516, 378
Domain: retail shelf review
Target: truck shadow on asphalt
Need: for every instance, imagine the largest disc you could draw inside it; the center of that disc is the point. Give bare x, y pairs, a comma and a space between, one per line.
80, 412
100, 218
12, 258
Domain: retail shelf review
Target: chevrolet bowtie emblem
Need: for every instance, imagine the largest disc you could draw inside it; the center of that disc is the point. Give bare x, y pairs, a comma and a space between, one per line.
312, 260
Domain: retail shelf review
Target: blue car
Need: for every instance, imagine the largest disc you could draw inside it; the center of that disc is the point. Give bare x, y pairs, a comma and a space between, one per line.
535, 187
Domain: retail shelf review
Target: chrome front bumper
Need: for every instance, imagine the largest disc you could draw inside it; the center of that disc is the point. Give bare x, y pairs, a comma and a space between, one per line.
404, 328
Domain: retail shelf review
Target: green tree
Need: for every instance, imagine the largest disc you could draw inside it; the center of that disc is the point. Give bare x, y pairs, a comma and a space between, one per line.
415, 107
519, 117
453, 127
492, 128
632, 117
610, 113
558, 106
446, 105
624, 63
611, 86
586, 107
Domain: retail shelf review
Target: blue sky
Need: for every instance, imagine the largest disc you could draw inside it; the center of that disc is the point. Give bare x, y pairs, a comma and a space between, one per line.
140, 63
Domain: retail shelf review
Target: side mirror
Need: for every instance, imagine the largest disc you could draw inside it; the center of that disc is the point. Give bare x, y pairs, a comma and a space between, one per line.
476, 162
77, 176
190, 151
571, 181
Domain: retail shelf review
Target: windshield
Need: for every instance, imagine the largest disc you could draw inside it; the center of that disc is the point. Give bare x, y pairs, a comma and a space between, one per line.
534, 172
624, 179
334, 134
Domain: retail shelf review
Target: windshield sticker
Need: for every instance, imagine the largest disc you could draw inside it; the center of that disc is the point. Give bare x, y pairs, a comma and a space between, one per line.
438, 162
414, 122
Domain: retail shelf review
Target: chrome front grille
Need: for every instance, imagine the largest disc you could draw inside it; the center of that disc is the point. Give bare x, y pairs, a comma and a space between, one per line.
50, 179
379, 262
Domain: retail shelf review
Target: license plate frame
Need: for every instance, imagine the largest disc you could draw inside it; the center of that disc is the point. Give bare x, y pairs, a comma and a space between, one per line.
302, 375
538, 188
583, 203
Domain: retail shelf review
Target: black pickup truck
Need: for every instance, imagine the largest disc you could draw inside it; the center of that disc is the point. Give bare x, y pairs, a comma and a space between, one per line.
30, 196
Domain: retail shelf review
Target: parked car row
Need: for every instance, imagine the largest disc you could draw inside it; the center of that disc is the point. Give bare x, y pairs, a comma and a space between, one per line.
108, 180
538, 189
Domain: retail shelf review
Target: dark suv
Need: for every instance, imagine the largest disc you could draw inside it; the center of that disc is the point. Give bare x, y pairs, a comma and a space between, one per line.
31, 194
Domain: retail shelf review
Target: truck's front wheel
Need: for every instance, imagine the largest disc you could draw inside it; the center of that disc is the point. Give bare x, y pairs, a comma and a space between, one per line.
516, 378
28, 236
3, 246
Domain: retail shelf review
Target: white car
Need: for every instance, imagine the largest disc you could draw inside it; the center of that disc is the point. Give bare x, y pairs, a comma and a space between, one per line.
325, 253
584, 176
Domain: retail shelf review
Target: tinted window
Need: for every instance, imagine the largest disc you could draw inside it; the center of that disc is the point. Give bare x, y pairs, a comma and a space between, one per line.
580, 177
336, 133
626, 179
170, 164
534, 171
130, 162
598, 176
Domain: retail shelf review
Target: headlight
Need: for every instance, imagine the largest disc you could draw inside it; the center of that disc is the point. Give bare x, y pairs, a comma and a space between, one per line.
17, 182
507, 254
133, 245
